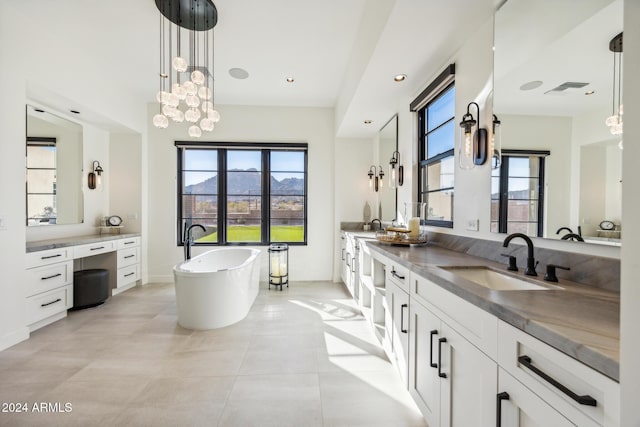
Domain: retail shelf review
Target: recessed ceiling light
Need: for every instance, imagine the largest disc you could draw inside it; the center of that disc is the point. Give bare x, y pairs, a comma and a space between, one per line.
531, 85
290, 80
400, 77
368, 122
238, 73
590, 92
75, 111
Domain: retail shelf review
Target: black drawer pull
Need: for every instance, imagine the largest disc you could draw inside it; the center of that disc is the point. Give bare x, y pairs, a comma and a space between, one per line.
500, 397
440, 374
130, 274
583, 400
129, 243
50, 256
49, 303
395, 274
51, 277
434, 332
402, 329
129, 256
95, 249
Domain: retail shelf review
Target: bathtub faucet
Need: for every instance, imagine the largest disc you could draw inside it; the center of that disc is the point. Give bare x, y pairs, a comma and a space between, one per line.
188, 240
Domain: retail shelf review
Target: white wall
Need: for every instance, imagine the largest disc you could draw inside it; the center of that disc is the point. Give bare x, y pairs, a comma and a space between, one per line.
630, 294
248, 124
125, 180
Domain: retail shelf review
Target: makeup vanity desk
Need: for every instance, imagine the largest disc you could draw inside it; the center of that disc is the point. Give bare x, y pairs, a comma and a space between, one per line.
50, 265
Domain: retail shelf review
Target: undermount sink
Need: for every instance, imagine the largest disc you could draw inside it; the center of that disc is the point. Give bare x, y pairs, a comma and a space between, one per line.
497, 281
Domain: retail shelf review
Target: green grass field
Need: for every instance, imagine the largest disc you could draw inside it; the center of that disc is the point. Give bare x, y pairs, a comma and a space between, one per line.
251, 233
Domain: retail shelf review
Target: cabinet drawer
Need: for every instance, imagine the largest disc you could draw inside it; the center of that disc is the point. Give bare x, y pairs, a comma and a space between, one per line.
475, 324
398, 275
49, 277
49, 303
127, 243
93, 249
127, 257
537, 365
127, 275
50, 256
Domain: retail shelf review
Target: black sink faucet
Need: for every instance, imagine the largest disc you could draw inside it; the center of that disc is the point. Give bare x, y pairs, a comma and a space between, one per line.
379, 224
531, 262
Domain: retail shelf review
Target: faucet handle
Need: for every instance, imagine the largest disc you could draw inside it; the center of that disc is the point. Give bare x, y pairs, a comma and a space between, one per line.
550, 275
512, 262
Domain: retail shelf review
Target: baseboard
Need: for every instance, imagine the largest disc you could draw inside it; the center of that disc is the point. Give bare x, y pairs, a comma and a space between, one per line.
14, 337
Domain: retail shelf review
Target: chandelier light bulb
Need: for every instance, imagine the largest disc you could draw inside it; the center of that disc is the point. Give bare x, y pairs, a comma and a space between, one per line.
195, 131
179, 91
160, 121
162, 97
206, 124
207, 106
169, 111
192, 115
179, 64
192, 101
213, 115
204, 92
190, 87
197, 77
178, 117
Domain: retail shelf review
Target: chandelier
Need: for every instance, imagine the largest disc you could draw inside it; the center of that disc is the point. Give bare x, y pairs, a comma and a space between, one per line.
615, 120
186, 65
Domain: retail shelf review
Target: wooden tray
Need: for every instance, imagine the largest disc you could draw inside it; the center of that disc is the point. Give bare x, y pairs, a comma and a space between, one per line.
401, 241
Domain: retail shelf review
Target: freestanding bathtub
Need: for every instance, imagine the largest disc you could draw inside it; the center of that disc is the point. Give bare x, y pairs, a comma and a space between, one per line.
217, 288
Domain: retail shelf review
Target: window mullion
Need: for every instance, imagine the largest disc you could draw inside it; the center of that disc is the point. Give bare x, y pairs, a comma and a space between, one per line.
222, 196
266, 192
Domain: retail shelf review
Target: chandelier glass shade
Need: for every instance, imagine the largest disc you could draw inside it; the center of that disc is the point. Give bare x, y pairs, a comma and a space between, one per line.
614, 122
186, 90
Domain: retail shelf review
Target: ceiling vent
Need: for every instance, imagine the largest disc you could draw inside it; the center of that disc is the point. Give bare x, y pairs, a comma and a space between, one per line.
565, 87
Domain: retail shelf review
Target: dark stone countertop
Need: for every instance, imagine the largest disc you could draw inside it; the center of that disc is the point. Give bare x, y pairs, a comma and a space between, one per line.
580, 321
43, 245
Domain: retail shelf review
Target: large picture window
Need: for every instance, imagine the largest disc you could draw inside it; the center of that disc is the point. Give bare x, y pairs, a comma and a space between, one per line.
243, 193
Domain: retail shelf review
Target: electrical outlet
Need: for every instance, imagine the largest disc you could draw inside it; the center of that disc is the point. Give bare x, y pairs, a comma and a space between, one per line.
473, 224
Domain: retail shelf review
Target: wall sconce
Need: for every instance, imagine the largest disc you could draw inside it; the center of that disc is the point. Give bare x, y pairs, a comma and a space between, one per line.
472, 144
396, 171
375, 178
496, 144
95, 176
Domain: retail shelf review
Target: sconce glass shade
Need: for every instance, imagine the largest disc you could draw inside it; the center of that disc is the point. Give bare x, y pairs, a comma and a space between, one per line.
465, 146
373, 179
396, 170
496, 143
94, 179
380, 178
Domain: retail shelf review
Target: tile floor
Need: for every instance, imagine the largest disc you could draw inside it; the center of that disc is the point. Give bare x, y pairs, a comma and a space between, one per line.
302, 357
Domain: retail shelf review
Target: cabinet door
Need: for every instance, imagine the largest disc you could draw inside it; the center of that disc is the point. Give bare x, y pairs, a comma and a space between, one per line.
520, 407
424, 382
399, 304
469, 386
343, 259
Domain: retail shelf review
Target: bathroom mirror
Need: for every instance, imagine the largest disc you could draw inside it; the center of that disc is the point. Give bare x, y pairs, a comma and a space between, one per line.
387, 195
54, 169
553, 90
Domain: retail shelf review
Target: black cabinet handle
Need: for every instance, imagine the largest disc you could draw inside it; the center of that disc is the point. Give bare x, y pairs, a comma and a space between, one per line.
402, 329
440, 374
49, 303
499, 398
129, 256
95, 249
51, 277
432, 333
130, 274
129, 243
50, 256
394, 274
583, 400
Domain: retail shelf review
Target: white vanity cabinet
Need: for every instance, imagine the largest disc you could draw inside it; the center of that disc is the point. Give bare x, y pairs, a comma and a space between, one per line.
452, 381
397, 301
349, 259
128, 262
49, 286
